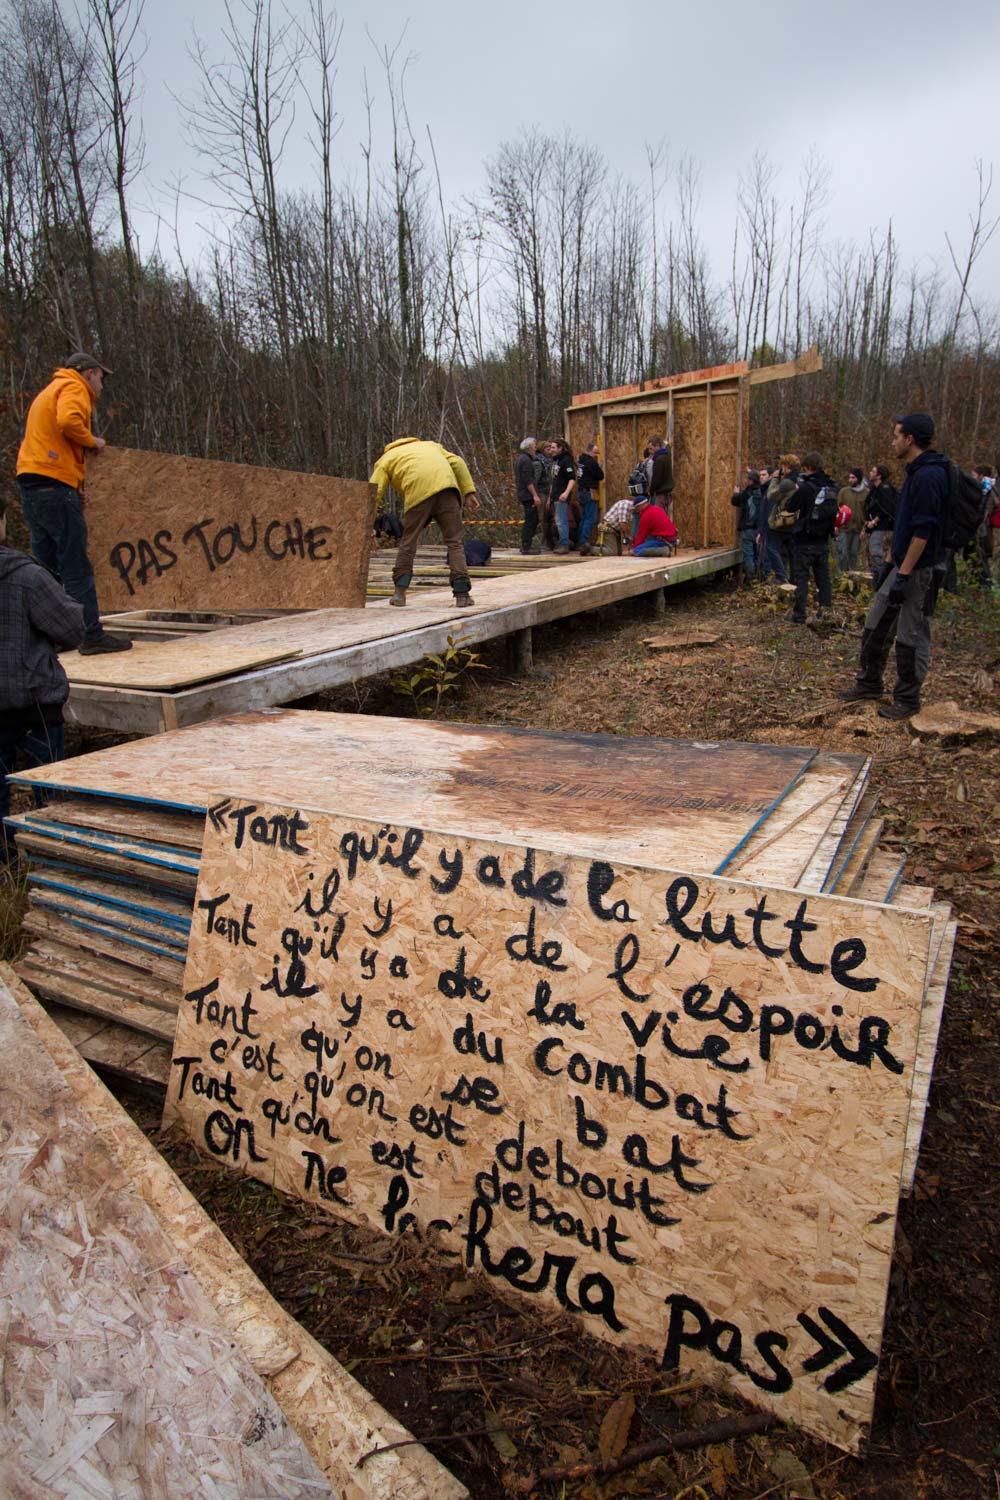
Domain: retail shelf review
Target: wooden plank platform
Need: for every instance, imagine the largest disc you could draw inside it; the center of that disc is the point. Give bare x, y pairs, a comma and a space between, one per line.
336, 647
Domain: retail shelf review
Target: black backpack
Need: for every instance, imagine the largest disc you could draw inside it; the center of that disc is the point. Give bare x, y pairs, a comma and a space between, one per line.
824, 510
963, 510
638, 480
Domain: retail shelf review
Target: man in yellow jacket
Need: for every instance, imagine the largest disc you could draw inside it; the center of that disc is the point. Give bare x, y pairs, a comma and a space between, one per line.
51, 465
433, 484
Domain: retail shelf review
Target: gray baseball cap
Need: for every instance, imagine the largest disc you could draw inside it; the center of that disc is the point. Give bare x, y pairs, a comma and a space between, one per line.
85, 361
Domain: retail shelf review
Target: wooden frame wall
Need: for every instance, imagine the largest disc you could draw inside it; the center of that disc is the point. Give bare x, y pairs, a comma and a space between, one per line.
705, 414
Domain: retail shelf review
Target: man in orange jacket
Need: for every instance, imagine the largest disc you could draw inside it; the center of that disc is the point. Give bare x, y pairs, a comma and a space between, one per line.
51, 465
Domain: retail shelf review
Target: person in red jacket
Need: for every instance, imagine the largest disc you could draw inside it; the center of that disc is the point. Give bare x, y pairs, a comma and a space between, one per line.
51, 465
656, 534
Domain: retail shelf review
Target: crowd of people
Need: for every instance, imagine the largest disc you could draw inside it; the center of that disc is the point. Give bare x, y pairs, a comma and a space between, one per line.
788, 517
559, 499
860, 526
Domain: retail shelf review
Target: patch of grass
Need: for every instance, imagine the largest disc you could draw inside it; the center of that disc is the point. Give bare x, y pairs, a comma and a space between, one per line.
13, 903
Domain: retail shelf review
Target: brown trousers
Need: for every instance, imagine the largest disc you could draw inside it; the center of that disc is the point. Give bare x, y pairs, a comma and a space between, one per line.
446, 509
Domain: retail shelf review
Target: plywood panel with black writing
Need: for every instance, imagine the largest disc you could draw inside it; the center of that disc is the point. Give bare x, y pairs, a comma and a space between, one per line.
674, 1106
168, 532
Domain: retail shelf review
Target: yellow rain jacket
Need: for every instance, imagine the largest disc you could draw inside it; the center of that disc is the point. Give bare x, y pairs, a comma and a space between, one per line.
418, 470
57, 433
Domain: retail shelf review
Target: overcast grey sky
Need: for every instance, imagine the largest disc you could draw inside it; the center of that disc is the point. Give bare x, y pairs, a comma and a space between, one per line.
899, 99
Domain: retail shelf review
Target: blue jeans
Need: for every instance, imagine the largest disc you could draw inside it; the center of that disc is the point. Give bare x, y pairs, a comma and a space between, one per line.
748, 548
774, 561
59, 541
561, 508
39, 745
588, 516
653, 546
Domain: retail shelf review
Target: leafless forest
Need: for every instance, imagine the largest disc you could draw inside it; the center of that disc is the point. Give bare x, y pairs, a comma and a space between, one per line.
316, 325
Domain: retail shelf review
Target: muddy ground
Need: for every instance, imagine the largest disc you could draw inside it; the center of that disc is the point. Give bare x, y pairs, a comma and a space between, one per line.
501, 1395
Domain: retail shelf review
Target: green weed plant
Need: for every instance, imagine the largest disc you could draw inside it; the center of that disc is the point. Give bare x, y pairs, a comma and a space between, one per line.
437, 675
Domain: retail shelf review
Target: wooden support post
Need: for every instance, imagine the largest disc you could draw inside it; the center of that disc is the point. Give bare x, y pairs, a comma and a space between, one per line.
706, 495
659, 603
522, 659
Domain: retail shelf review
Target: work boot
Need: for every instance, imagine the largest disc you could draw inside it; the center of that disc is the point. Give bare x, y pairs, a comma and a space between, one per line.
398, 597
97, 645
896, 711
861, 693
464, 601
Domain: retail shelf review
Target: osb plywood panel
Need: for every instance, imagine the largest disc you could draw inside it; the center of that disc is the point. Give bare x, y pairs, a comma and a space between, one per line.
65, 856
689, 469
161, 665
581, 430
165, 963
168, 532
931, 1014
725, 466
143, 824
109, 921
118, 1376
674, 1106
660, 801
48, 823
55, 984
620, 456
110, 897
172, 663
781, 848
336, 1418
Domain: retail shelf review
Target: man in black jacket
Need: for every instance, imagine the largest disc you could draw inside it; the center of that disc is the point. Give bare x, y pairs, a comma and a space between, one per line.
815, 504
591, 475
527, 492
879, 517
904, 604
36, 618
661, 477
750, 503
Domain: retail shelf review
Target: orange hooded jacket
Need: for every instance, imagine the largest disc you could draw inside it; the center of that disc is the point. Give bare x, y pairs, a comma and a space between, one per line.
57, 433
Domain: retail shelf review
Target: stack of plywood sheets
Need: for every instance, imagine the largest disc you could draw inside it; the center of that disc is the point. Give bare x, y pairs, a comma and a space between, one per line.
113, 860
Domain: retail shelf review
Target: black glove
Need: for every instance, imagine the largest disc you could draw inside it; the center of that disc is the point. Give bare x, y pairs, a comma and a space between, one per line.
897, 594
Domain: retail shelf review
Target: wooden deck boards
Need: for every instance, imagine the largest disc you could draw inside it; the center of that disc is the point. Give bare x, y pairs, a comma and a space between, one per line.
336, 647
